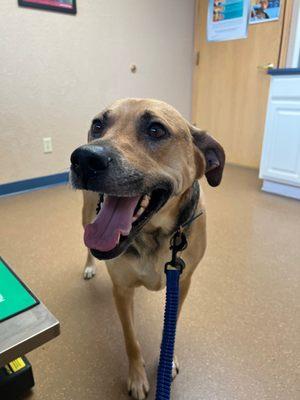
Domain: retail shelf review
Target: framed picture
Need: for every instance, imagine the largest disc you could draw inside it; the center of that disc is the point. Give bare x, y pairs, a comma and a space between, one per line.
65, 6
227, 20
264, 11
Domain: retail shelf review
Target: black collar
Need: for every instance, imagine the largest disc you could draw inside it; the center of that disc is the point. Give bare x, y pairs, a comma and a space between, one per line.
179, 240
187, 211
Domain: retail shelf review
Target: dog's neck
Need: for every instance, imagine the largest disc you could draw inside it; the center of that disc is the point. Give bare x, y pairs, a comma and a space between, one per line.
160, 228
176, 212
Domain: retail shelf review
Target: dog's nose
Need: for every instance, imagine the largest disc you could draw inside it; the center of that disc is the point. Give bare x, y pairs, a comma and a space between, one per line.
90, 159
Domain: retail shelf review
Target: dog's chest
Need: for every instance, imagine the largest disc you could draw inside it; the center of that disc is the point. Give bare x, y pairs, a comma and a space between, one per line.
148, 275
143, 263
151, 254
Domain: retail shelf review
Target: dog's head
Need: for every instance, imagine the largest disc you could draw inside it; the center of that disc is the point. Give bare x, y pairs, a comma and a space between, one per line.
140, 153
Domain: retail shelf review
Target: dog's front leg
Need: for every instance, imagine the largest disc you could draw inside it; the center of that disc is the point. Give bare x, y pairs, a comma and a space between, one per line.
90, 200
138, 385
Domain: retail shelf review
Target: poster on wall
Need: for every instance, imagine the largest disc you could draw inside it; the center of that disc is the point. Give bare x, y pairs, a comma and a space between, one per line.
227, 20
264, 11
65, 6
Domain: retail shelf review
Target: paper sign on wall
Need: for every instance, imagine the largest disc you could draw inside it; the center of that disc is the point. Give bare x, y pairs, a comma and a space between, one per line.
227, 20
264, 11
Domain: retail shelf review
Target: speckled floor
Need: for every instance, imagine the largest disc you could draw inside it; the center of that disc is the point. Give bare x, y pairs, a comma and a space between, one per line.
238, 338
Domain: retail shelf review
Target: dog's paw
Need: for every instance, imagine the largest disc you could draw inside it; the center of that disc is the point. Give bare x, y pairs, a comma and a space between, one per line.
137, 384
175, 367
89, 272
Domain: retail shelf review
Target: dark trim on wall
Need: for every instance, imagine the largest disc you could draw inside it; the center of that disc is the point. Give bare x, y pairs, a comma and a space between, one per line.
33, 4
284, 71
34, 184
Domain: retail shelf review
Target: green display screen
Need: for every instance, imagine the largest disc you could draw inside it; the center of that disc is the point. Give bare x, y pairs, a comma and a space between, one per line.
15, 297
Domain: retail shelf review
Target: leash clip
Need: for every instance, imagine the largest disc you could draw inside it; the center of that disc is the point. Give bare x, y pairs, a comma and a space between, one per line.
178, 243
177, 265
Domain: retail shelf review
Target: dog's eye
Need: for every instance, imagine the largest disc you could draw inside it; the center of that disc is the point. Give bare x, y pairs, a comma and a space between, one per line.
97, 128
156, 130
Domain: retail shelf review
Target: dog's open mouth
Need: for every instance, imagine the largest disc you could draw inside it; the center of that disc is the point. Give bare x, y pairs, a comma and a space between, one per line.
119, 219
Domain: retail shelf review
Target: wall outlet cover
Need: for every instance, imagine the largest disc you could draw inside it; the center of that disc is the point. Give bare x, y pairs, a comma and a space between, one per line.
47, 142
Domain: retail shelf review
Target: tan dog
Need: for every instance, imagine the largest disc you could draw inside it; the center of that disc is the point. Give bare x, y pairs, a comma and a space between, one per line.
140, 170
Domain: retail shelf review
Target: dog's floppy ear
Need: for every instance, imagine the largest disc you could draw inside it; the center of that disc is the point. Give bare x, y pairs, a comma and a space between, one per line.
213, 153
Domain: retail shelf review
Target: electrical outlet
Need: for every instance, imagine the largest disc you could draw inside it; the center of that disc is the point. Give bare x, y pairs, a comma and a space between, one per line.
47, 142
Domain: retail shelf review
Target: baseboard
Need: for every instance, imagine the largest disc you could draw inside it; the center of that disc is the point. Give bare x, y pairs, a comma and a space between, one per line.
281, 189
26, 185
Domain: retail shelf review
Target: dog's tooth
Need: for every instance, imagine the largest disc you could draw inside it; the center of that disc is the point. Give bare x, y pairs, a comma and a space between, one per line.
145, 201
140, 211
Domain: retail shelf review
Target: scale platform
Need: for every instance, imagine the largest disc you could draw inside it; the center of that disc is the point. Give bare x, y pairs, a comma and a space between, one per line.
25, 323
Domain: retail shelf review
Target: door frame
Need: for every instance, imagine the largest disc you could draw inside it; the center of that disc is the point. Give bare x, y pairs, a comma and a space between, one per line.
287, 29
196, 60
293, 53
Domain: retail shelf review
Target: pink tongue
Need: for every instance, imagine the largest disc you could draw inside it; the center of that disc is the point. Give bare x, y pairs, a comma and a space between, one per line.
114, 219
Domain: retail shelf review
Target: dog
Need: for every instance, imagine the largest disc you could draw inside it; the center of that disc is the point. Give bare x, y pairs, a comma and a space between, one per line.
140, 173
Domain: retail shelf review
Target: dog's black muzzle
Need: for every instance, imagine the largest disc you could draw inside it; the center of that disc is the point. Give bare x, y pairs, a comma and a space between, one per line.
102, 169
90, 164
88, 161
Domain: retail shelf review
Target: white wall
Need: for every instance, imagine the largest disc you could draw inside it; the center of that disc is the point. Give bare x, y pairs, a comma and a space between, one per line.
57, 71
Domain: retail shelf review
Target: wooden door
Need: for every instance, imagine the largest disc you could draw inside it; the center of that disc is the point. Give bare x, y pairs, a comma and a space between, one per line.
230, 92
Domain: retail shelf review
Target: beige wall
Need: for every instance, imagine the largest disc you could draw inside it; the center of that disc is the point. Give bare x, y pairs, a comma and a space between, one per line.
57, 71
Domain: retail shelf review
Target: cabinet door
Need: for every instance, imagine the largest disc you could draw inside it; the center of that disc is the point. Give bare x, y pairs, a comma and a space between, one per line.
281, 149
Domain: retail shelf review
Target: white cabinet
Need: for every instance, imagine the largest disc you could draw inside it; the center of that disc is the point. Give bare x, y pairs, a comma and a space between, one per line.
280, 162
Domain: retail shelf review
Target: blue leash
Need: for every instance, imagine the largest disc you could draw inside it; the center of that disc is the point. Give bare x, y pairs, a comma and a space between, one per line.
173, 270
164, 375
